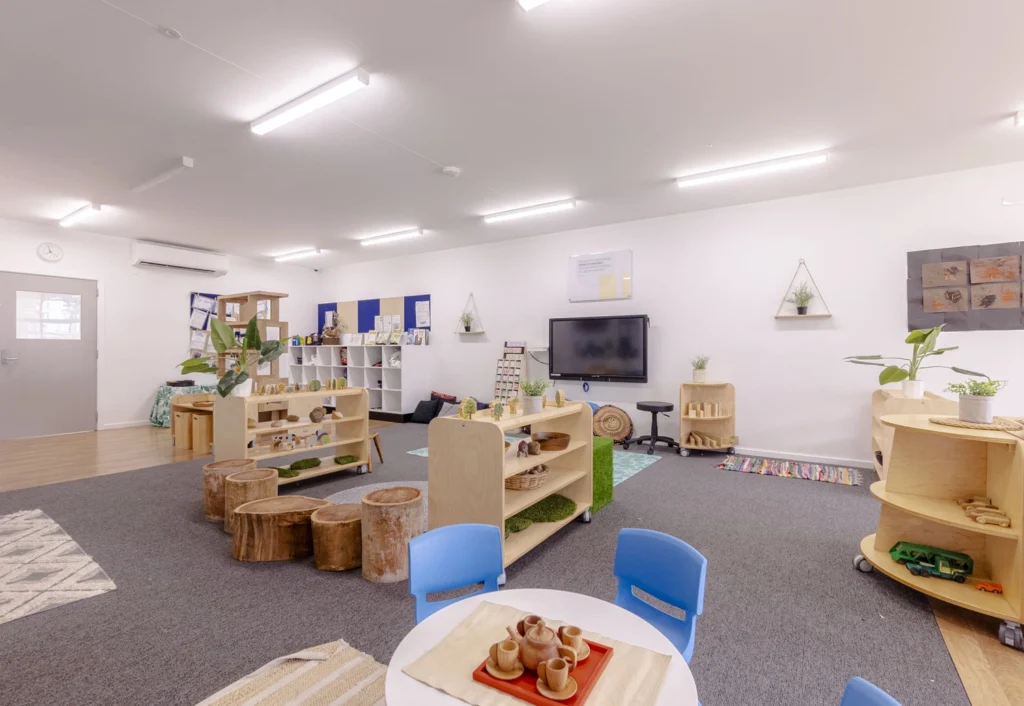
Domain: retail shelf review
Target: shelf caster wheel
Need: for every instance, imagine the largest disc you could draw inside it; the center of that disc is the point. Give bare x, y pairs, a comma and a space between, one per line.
363, 470
585, 517
731, 450
501, 579
679, 451
684, 452
862, 565
1010, 634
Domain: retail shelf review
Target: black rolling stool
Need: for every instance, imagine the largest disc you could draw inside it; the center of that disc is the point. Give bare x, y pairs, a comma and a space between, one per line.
655, 408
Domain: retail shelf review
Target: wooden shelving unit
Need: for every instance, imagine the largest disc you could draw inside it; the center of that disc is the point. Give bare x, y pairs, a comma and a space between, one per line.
721, 427
270, 326
930, 466
467, 468
350, 435
885, 402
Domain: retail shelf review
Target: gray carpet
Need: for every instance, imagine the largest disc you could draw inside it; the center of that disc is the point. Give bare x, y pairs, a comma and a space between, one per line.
787, 619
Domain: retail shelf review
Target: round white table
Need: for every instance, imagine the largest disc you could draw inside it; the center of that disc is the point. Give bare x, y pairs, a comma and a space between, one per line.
589, 613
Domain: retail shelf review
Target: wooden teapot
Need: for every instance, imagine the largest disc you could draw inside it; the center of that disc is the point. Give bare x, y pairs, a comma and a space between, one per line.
539, 643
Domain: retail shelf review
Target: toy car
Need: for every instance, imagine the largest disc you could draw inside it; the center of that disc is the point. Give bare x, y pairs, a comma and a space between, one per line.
974, 500
989, 586
991, 518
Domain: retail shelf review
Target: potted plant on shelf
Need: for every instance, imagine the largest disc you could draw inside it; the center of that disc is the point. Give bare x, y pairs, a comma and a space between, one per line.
801, 298
252, 351
467, 320
533, 395
924, 341
976, 399
700, 368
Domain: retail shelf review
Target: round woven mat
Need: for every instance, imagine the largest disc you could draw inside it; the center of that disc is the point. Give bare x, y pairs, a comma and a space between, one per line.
613, 422
998, 423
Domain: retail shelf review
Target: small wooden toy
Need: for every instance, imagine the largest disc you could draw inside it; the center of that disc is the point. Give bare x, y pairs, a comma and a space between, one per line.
513, 406
974, 500
533, 447
524, 449
497, 409
992, 518
467, 409
559, 398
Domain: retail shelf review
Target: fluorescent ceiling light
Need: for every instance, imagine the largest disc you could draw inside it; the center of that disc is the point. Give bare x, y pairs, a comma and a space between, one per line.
754, 169
181, 165
391, 237
297, 255
317, 98
531, 211
79, 214
530, 4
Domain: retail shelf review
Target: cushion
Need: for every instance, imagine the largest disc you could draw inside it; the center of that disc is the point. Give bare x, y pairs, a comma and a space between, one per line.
425, 411
450, 399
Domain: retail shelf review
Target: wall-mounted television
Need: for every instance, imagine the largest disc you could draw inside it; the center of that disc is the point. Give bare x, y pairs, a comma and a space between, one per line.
602, 348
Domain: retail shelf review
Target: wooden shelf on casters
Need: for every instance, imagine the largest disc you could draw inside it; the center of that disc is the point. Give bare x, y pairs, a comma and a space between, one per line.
965, 595
945, 512
518, 543
321, 470
518, 500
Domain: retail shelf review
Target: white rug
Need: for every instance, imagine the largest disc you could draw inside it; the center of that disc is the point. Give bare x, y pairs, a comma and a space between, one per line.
42, 567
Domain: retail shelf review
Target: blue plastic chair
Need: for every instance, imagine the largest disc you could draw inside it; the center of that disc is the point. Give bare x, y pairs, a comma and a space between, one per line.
860, 692
453, 557
668, 569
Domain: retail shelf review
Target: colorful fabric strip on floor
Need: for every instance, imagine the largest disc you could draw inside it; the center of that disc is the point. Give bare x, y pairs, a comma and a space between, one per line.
791, 469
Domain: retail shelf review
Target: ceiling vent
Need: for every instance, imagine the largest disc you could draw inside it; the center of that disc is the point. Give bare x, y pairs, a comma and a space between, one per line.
165, 257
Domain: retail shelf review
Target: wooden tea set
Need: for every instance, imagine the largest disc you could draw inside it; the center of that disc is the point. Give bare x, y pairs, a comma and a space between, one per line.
541, 665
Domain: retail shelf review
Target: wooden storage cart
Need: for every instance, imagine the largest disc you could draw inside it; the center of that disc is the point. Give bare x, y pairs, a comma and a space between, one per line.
930, 467
884, 402
350, 435
468, 465
721, 427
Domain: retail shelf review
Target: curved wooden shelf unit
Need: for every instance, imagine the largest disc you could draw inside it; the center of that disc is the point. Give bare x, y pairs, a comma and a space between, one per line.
919, 422
964, 595
946, 512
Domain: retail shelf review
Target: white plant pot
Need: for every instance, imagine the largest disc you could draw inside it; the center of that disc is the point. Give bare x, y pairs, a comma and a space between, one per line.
700, 375
533, 405
977, 409
243, 390
913, 389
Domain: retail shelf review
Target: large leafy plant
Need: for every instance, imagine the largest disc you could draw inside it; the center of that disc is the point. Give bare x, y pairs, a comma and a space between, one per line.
253, 351
924, 341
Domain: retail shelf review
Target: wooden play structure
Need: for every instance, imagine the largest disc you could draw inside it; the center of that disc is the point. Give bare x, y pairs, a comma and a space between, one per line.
707, 418
266, 306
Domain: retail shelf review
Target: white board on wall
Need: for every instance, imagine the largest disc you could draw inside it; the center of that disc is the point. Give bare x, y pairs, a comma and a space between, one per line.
601, 276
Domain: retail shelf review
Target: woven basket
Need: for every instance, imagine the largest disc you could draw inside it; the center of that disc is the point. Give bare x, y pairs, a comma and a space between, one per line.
613, 422
528, 480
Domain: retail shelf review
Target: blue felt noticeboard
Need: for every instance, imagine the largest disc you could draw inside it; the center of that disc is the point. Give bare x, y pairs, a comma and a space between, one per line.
369, 309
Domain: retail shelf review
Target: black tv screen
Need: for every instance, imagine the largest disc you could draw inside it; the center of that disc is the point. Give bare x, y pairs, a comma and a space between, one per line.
603, 348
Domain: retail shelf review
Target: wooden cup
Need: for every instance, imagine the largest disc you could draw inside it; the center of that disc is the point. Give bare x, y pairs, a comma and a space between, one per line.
555, 673
571, 636
505, 654
526, 623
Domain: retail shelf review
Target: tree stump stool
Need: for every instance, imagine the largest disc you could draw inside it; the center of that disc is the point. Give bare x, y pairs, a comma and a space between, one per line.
246, 486
391, 517
213, 485
337, 537
275, 529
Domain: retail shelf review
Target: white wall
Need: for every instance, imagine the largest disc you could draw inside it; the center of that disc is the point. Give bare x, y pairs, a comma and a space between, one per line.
143, 314
711, 282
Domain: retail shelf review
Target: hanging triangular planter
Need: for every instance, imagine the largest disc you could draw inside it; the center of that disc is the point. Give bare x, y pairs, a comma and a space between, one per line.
476, 324
798, 292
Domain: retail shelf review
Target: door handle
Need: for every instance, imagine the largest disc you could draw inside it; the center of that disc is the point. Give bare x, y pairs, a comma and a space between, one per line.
5, 359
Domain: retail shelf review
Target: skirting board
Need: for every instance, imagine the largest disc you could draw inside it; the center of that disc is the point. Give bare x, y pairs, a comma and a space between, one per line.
806, 458
124, 425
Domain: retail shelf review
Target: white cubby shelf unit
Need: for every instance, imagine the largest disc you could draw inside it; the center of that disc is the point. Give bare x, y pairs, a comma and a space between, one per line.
393, 389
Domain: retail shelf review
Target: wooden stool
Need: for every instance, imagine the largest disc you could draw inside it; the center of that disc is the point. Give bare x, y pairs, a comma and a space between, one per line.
245, 486
274, 529
391, 517
337, 537
213, 485
380, 454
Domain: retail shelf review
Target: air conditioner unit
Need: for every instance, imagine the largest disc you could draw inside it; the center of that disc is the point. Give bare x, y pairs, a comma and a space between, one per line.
166, 257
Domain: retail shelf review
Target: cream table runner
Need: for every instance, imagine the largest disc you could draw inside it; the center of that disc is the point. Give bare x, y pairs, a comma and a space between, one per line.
633, 676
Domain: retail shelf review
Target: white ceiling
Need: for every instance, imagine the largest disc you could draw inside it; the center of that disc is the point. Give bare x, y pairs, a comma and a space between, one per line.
604, 100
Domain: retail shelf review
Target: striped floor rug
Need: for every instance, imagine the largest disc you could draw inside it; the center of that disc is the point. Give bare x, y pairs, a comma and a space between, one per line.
333, 674
791, 469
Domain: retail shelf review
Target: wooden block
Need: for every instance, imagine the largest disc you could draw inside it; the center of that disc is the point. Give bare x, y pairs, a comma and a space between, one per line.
183, 430
202, 432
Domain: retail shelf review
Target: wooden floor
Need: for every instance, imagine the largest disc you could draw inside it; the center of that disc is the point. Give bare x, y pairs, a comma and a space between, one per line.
28, 463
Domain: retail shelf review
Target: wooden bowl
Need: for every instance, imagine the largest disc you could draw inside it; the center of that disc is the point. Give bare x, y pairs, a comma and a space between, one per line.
551, 440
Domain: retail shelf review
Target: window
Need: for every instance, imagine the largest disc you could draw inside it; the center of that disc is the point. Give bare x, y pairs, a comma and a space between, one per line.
48, 315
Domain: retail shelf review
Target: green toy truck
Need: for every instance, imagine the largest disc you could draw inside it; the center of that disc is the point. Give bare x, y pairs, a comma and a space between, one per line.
922, 560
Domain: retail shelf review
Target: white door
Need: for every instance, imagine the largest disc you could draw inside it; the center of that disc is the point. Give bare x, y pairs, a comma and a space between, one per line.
47, 355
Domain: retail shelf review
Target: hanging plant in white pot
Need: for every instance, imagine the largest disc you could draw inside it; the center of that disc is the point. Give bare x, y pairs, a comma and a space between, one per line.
924, 341
976, 398
700, 368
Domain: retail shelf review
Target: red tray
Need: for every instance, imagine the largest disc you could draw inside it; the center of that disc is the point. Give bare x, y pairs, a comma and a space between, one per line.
525, 687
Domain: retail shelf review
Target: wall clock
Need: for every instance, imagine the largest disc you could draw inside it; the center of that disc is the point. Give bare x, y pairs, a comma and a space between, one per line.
50, 252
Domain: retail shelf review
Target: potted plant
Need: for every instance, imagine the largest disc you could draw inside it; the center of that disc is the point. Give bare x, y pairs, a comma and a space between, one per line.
976, 399
467, 320
533, 395
252, 351
700, 368
924, 341
801, 298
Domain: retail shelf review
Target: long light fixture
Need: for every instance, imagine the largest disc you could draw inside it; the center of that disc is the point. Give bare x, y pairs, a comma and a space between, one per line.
753, 169
80, 214
391, 237
537, 210
530, 4
297, 255
317, 98
182, 163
